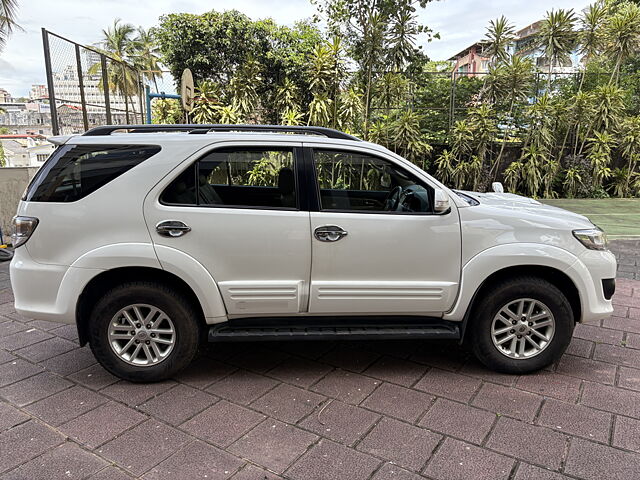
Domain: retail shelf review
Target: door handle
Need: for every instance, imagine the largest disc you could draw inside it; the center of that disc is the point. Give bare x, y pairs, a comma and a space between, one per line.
172, 228
329, 233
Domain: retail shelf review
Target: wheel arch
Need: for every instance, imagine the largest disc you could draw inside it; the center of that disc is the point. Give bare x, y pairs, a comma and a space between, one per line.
108, 279
551, 274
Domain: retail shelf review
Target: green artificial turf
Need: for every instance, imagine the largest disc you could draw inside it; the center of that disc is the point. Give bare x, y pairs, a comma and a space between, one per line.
619, 217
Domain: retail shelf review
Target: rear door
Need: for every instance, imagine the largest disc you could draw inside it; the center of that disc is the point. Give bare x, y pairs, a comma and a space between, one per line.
248, 225
377, 246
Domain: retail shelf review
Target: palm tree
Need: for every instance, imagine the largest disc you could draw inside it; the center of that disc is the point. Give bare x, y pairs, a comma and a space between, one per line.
350, 109
291, 118
244, 87
599, 155
623, 36
407, 138
402, 37
518, 80
117, 42
606, 111
500, 34
286, 97
207, 103
591, 33
146, 56
629, 134
445, 166
572, 181
557, 37
8, 11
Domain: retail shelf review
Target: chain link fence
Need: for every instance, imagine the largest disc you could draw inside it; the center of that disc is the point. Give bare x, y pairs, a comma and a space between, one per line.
88, 87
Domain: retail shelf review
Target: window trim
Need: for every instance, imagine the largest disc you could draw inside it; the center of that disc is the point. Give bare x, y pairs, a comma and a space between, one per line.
297, 171
315, 190
46, 168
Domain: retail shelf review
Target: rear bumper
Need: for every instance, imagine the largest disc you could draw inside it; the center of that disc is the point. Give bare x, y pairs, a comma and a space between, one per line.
47, 292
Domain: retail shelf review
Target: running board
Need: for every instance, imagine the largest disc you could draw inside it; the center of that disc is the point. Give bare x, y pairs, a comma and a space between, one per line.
228, 332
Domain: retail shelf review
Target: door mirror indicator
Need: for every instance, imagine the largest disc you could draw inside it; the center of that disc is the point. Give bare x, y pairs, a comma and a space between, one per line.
441, 203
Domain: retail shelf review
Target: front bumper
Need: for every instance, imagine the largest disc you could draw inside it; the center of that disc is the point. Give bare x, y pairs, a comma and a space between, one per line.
590, 272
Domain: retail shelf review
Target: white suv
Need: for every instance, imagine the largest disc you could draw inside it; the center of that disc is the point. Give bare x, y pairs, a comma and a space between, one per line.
153, 238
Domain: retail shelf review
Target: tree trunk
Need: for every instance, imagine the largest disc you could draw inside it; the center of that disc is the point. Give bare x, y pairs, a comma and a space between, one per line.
496, 165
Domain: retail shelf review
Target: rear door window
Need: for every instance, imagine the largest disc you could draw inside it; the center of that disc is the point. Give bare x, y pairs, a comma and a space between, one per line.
237, 177
74, 171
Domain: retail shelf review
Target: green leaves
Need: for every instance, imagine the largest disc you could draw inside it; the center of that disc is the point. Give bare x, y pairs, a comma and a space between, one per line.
557, 36
8, 12
622, 35
228, 46
500, 34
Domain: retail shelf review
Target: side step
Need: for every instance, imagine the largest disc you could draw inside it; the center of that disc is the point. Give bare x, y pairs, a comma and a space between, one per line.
272, 331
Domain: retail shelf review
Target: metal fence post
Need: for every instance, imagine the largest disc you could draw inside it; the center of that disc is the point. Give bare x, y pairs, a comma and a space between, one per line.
452, 103
147, 94
141, 91
83, 101
125, 93
55, 128
105, 87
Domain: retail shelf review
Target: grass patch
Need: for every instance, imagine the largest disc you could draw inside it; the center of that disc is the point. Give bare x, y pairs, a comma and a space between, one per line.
619, 217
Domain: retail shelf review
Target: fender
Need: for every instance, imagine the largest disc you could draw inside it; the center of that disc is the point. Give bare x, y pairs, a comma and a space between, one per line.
174, 261
198, 278
493, 259
119, 255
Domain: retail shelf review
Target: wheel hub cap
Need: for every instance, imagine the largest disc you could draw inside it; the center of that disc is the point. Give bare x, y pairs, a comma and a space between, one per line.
522, 328
141, 335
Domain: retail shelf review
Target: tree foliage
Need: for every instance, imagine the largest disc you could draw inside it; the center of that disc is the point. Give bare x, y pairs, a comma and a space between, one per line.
358, 67
8, 13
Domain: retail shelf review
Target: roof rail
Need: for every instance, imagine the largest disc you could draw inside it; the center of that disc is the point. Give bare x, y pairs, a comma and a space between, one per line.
203, 128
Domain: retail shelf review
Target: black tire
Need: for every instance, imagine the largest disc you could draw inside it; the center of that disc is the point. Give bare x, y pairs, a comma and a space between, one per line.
5, 255
186, 322
500, 295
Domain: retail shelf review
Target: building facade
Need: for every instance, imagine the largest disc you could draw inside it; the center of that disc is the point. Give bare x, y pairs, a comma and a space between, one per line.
39, 92
5, 96
25, 150
471, 61
526, 46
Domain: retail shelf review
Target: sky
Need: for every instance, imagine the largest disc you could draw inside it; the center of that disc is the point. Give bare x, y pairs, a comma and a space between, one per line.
459, 22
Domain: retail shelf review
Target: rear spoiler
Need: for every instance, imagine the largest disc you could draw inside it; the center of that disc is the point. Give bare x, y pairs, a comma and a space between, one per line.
59, 139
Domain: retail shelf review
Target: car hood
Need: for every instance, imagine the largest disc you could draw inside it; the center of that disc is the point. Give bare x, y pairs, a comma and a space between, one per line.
511, 201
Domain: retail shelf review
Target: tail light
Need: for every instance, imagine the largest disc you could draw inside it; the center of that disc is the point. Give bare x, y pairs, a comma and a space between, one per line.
23, 228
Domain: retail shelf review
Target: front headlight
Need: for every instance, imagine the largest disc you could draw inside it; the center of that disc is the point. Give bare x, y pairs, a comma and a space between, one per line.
592, 238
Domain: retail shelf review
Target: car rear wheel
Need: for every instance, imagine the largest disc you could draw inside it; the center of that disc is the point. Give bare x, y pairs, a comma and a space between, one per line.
521, 325
144, 332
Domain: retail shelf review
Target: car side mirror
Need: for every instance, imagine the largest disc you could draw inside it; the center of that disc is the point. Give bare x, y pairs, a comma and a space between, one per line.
497, 187
441, 203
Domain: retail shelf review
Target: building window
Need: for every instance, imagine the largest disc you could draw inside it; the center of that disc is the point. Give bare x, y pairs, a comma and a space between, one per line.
41, 157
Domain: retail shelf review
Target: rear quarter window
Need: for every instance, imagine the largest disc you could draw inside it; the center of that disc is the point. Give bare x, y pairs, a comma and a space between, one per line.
74, 171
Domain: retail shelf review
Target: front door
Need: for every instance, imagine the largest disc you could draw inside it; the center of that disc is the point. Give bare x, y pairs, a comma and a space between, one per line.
377, 246
247, 227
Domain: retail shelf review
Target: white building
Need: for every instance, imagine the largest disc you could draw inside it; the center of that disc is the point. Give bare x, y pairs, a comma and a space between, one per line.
39, 92
25, 150
66, 85
5, 96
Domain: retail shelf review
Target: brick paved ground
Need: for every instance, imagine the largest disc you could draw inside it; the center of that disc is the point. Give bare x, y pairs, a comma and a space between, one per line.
388, 410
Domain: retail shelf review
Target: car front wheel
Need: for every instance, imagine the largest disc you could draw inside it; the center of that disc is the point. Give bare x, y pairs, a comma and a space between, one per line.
144, 332
521, 325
